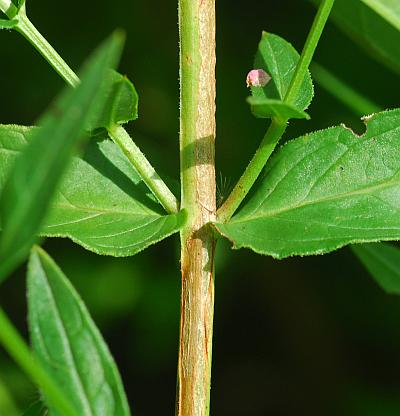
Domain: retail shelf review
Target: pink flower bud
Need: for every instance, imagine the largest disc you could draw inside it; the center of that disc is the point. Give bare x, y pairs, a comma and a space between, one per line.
257, 78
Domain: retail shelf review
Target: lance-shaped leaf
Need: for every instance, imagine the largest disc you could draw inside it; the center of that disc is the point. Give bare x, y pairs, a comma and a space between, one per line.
68, 344
383, 262
374, 25
101, 202
325, 190
36, 173
278, 58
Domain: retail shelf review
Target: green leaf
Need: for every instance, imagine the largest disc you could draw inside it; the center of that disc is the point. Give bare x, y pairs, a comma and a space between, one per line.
383, 263
18, 3
278, 58
374, 25
265, 108
8, 24
68, 344
101, 203
121, 102
325, 190
37, 172
36, 409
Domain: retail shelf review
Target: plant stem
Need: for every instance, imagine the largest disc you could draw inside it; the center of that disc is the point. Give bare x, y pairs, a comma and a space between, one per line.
29, 31
277, 127
197, 144
15, 345
309, 49
356, 102
117, 133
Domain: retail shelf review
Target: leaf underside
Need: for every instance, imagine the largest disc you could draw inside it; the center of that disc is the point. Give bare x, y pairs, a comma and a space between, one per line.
68, 344
101, 203
279, 59
323, 191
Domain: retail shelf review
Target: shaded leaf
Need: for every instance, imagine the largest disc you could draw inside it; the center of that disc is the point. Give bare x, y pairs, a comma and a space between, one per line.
325, 190
68, 344
383, 263
36, 173
101, 203
374, 25
121, 102
278, 58
36, 409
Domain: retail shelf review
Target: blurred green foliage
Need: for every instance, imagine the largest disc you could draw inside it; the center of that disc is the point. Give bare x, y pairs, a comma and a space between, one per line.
304, 336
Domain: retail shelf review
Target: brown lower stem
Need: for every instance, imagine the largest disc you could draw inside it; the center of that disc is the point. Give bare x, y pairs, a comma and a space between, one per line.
197, 307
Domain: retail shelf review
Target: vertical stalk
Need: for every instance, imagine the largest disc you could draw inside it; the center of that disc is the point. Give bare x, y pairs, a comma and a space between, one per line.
197, 139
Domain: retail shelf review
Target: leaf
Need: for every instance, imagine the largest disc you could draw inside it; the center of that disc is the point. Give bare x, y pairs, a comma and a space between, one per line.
36, 409
8, 24
68, 344
37, 172
278, 58
101, 203
383, 263
325, 190
121, 102
274, 108
374, 25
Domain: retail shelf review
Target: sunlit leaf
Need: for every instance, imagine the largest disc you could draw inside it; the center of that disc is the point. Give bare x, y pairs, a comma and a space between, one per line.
323, 191
68, 344
121, 102
7, 24
36, 173
278, 58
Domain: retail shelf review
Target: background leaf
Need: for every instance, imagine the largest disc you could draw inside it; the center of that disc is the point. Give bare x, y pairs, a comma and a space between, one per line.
374, 25
101, 203
383, 262
325, 190
278, 58
36, 173
68, 344
36, 409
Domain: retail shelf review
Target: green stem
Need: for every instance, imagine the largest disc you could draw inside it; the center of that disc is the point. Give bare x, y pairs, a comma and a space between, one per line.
277, 127
117, 133
308, 50
197, 144
29, 31
356, 102
15, 345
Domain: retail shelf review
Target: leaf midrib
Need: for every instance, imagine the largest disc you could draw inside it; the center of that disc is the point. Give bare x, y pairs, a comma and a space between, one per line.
343, 195
69, 347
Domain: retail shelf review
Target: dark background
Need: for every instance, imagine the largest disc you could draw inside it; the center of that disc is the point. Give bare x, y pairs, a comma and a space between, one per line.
303, 336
